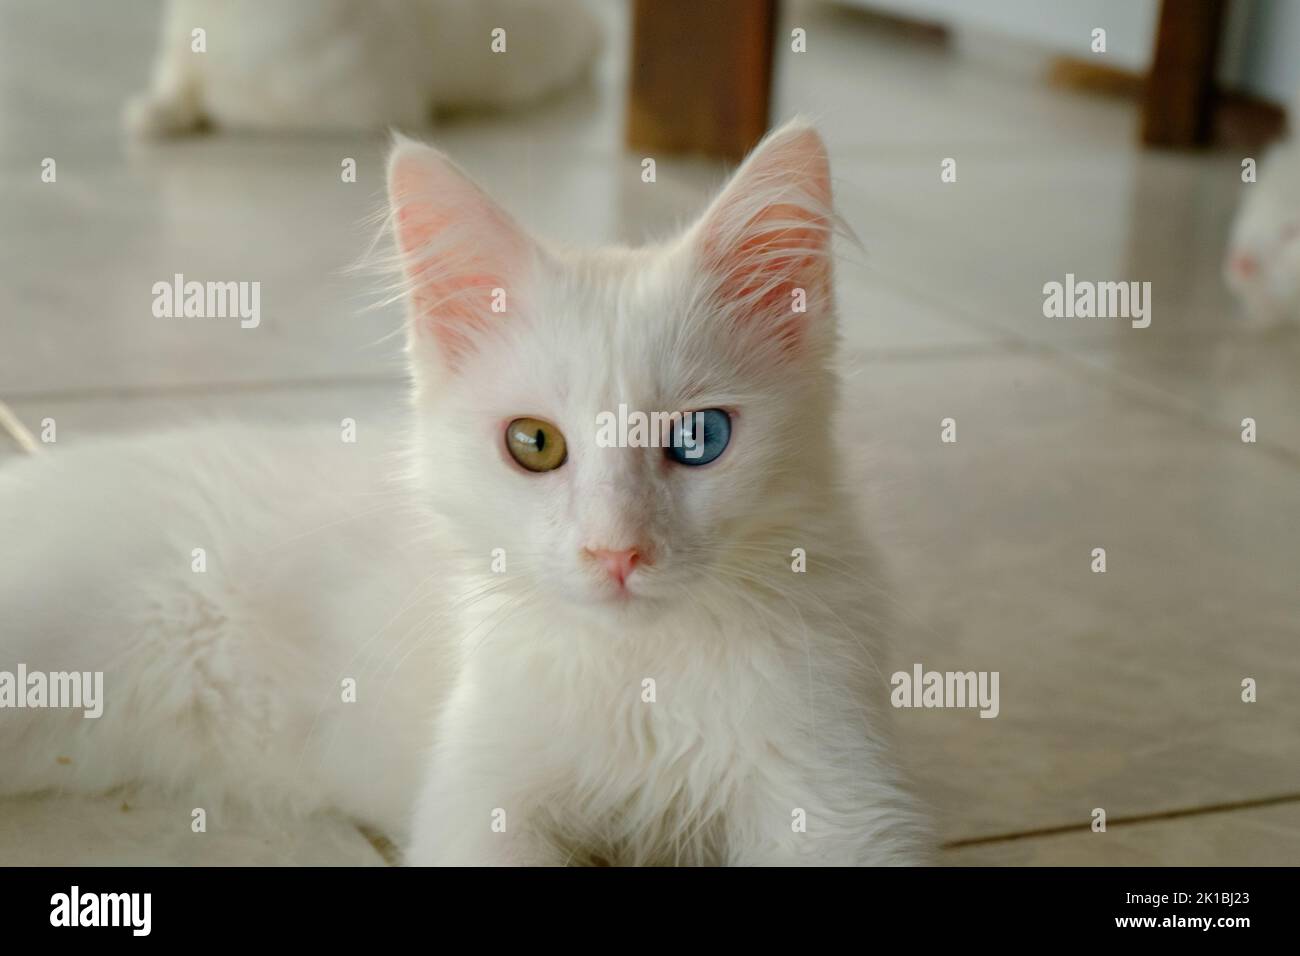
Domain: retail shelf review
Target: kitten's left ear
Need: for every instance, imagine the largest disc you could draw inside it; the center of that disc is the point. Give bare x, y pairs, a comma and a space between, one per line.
465, 259
766, 240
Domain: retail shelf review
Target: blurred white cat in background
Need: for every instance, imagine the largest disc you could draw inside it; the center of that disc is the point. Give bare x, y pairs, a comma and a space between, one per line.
337, 65
1263, 261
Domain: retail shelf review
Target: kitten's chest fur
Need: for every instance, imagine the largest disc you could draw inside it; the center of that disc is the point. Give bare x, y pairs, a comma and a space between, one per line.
645, 738
676, 836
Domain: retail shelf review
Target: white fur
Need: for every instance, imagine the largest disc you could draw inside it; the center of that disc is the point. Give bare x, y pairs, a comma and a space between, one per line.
329, 65
767, 702
222, 685
1266, 234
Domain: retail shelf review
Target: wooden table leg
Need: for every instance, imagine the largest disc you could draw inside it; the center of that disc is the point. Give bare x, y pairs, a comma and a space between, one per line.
1178, 109
701, 75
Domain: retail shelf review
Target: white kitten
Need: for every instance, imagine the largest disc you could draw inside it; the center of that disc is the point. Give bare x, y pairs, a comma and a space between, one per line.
346, 64
1262, 265
614, 653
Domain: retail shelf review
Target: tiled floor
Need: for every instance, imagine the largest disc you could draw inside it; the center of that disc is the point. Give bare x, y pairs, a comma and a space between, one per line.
1119, 691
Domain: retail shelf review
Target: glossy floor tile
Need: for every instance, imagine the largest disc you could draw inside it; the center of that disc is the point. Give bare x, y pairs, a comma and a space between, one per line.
1243, 373
147, 830
1118, 689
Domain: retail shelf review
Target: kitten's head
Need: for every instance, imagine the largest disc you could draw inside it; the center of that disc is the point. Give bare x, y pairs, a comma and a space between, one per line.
545, 380
1262, 265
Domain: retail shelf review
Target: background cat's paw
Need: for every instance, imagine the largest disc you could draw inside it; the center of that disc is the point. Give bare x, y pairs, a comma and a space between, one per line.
148, 116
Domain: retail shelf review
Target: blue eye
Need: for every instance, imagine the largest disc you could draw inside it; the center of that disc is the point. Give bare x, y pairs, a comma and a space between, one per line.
700, 437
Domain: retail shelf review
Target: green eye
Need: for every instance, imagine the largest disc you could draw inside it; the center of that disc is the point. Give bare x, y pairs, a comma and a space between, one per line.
535, 444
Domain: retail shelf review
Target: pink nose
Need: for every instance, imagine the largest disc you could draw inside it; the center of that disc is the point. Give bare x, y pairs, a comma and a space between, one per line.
1243, 264
617, 564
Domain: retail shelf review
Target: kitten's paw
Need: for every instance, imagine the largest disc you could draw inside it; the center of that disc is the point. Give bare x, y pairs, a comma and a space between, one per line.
148, 116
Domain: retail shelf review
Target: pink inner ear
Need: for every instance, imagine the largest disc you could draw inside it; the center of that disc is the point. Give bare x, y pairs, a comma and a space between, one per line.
775, 257
769, 235
451, 304
458, 247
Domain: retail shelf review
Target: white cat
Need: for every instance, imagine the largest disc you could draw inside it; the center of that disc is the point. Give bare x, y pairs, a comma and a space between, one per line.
1262, 265
329, 65
562, 652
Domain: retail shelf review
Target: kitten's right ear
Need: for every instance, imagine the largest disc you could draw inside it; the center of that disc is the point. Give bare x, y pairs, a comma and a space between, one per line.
465, 260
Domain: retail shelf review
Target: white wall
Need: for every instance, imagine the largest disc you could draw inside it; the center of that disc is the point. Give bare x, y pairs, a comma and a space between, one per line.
1064, 26
1261, 46
1263, 56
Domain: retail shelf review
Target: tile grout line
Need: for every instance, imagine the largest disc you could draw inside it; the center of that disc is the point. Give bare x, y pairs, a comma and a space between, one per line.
1154, 817
1158, 399
1151, 396
205, 388
872, 355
